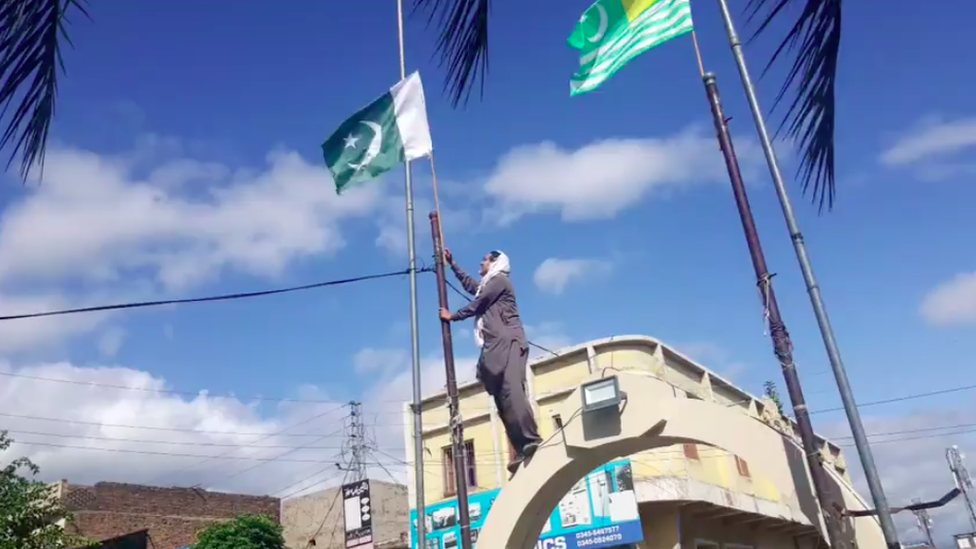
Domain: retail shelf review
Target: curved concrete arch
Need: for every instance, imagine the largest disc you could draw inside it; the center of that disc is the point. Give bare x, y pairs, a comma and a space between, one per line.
651, 417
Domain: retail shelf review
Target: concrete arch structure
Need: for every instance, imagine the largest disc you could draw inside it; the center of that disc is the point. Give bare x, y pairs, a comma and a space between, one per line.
649, 418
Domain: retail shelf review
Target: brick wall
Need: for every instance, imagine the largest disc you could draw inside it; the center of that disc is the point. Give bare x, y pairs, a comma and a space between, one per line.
173, 516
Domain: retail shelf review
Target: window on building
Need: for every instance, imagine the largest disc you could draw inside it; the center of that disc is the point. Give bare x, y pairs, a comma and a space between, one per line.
470, 465
691, 451
742, 466
557, 422
447, 472
447, 468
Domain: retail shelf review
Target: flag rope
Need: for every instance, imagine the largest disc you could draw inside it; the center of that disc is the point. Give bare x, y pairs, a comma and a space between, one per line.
701, 64
437, 202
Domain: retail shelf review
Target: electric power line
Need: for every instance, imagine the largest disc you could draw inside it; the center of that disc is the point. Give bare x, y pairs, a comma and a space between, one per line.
169, 454
332, 466
279, 457
311, 540
901, 398
266, 437
175, 442
919, 430
908, 439
161, 391
222, 297
154, 428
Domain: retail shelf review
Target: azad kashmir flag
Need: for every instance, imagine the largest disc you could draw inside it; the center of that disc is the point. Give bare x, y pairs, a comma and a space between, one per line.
388, 131
612, 32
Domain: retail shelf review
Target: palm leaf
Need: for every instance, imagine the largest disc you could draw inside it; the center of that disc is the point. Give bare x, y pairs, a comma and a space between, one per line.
814, 40
31, 32
463, 43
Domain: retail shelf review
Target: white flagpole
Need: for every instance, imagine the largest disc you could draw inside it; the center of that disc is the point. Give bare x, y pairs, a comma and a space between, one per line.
418, 429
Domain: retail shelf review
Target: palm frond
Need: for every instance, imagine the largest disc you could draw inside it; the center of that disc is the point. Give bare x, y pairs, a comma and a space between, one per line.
814, 39
463, 43
31, 32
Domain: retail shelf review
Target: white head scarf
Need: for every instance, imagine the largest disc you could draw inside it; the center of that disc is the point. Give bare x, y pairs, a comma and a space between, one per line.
500, 265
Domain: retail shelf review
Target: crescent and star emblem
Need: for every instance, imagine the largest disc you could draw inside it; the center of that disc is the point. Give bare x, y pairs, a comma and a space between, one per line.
372, 150
602, 28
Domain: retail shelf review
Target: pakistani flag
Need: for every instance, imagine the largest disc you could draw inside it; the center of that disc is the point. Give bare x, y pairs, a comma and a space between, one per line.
612, 32
388, 131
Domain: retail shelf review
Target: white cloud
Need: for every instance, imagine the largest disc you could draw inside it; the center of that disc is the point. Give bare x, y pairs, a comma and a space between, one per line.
554, 274
100, 441
112, 228
150, 434
931, 140
94, 219
604, 177
111, 341
952, 302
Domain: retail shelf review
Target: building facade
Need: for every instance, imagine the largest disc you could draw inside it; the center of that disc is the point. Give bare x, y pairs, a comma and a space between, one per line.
172, 516
688, 496
319, 517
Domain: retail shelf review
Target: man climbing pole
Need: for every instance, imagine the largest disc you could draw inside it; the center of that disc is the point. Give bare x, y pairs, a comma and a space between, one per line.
504, 350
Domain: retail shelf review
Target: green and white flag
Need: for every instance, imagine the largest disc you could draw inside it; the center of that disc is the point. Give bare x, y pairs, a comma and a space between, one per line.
612, 32
388, 131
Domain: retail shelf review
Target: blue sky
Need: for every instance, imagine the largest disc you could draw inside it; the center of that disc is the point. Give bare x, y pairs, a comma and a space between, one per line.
186, 162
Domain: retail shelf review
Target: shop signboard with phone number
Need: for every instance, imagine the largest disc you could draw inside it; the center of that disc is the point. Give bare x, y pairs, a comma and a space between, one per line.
599, 512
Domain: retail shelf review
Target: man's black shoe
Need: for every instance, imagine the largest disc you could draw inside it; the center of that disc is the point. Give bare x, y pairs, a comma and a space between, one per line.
513, 466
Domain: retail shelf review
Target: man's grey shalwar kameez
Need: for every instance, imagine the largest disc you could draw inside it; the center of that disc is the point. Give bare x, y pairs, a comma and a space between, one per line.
504, 354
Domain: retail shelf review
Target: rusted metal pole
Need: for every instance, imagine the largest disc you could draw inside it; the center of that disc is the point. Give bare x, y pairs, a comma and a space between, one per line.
782, 345
457, 428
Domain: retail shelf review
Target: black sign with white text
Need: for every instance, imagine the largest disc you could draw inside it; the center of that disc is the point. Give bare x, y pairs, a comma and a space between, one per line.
357, 513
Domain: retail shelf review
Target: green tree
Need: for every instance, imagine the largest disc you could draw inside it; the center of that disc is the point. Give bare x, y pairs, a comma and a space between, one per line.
769, 389
32, 32
244, 532
29, 515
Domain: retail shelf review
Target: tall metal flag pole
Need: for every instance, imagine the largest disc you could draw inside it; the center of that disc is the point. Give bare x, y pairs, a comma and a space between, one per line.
782, 346
819, 309
418, 427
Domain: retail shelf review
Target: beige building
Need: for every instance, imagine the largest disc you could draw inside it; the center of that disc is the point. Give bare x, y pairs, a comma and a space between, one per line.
689, 496
319, 516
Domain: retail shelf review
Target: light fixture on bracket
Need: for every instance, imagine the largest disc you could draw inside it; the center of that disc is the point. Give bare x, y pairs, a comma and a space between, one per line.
601, 394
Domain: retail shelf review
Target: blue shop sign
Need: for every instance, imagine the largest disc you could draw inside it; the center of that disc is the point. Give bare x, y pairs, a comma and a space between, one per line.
600, 511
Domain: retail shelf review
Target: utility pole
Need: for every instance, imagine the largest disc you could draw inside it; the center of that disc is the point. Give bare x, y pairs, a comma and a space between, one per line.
457, 428
924, 522
782, 345
813, 289
354, 448
963, 482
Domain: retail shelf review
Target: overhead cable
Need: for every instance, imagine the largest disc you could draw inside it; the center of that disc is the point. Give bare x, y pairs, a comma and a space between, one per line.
900, 399
223, 297
163, 391
156, 428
